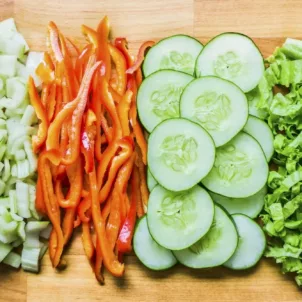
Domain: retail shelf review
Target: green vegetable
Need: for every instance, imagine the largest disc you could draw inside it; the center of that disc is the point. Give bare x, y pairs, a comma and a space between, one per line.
282, 215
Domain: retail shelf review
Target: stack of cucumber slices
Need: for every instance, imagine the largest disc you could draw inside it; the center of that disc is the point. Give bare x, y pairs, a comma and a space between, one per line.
208, 153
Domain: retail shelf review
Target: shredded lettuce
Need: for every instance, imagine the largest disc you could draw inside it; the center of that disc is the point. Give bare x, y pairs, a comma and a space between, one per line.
282, 215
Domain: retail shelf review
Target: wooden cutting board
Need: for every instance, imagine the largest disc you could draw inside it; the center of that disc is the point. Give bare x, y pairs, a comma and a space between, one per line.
268, 22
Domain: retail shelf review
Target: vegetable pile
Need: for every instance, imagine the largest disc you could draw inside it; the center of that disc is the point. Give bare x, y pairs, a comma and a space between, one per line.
282, 216
202, 131
92, 150
20, 223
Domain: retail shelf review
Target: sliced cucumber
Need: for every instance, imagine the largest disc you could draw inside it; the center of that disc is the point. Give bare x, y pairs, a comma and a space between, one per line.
217, 105
234, 57
158, 97
253, 98
148, 251
176, 52
216, 247
151, 182
251, 244
180, 154
240, 168
262, 133
250, 206
176, 220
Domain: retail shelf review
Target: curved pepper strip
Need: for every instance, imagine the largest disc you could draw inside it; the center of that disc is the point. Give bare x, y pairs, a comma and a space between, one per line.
81, 61
53, 43
110, 260
135, 190
91, 35
103, 50
53, 210
116, 96
120, 66
122, 45
51, 102
106, 209
59, 73
54, 130
76, 121
52, 245
87, 242
77, 222
98, 263
68, 223
38, 139
123, 112
39, 203
140, 57
73, 49
83, 207
108, 131
126, 145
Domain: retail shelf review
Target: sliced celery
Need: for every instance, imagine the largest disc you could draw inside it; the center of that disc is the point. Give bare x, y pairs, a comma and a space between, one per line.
5, 249
13, 259
30, 259
8, 65
23, 199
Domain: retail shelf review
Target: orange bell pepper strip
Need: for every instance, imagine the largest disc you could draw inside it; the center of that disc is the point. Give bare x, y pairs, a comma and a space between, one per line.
123, 112
140, 57
135, 190
91, 35
81, 61
120, 66
53, 43
108, 131
68, 223
83, 207
53, 210
103, 246
51, 102
38, 139
107, 208
52, 245
126, 145
87, 139
139, 77
116, 96
39, 203
87, 241
122, 45
98, 263
73, 49
103, 50
45, 93
77, 222
54, 130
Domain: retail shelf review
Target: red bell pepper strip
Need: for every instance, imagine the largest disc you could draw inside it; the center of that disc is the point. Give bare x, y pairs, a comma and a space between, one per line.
122, 45
87, 241
103, 51
135, 190
120, 67
110, 260
39, 139
39, 203
68, 223
53, 211
83, 207
123, 112
140, 57
77, 222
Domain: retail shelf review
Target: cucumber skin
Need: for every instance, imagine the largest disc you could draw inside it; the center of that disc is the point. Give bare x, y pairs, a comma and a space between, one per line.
261, 255
153, 269
231, 218
167, 38
230, 32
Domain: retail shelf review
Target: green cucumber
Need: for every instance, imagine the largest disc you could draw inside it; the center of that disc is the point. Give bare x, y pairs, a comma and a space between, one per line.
176, 220
151, 182
262, 133
217, 105
158, 97
250, 206
148, 251
216, 247
177, 52
240, 168
251, 244
180, 154
232, 56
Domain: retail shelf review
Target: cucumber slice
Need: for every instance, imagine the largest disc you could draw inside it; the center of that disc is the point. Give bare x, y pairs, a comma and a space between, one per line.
176, 220
217, 105
158, 97
251, 244
151, 182
177, 52
262, 133
240, 168
148, 251
234, 57
180, 154
216, 247
250, 206
253, 98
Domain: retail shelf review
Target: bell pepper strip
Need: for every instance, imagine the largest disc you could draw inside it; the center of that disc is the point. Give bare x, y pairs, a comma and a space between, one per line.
141, 141
116, 96
108, 131
120, 67
73, 49
45, 93
91, 35
77, 222
68, 223
48, 61
83, 208
38, 139
52, 245
39, 203
123, 112
103, 246
107, 208
53, 43
143, 180
122, 45
45, 74
98, 263
135, 190
103, 50
87, 242
51, 102
53, 141
53, 210
81, 61
126, 145
140, 57
87, 139
139, 77
76, 121
59, 75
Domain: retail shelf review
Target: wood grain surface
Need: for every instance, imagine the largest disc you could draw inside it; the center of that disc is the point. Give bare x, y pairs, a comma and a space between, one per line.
268, 22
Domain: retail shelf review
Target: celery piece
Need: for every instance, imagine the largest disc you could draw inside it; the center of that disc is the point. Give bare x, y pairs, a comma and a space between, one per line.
13, 259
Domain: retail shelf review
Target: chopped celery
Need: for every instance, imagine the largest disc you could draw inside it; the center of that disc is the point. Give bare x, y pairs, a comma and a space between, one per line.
32, 158
23, 169
21, 230
17, 242
30, 259
8, 28
20, 155
13, 205
6, 173
33, 60
28, 116
13, 259
23, 199
16, 90
5, 249
46, 232
2, 87
22, 72
8, 65
32, 202
2, 187
43, 249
